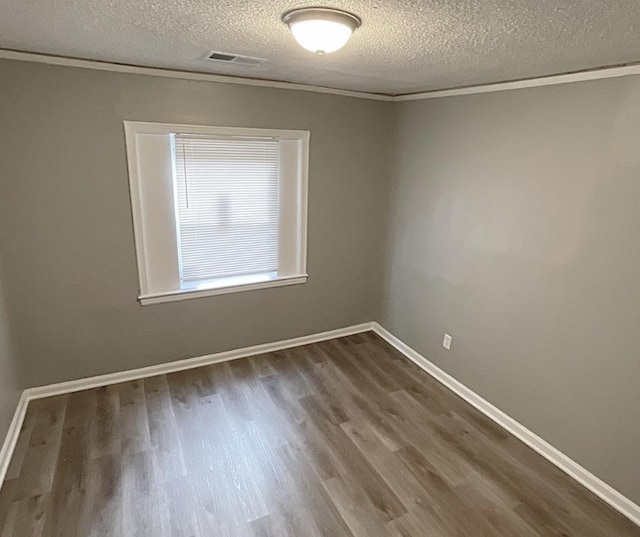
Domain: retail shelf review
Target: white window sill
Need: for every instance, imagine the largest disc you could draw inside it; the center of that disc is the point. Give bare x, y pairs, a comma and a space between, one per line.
223, 286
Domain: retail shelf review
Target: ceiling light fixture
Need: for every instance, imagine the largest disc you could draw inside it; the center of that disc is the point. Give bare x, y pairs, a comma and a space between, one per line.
321, 29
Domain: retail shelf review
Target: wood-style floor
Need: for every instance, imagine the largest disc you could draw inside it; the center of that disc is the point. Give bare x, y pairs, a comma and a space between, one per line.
341, 438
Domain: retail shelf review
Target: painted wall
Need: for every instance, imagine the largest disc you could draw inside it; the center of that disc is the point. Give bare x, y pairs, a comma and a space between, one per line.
513, 224
515, 227
9, 390
66, 230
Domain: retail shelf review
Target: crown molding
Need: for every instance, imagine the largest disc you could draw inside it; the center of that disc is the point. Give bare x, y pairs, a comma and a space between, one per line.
551, 80
17, 55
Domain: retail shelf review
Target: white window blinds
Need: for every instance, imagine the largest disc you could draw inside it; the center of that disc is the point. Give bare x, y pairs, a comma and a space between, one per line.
226, 206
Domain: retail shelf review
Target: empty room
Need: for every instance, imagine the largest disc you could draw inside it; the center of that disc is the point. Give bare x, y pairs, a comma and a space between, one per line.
345, 269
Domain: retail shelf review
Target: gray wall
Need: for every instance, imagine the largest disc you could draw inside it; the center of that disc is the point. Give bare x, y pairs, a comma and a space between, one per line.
9, 391
66, 229
514, 220
515, 227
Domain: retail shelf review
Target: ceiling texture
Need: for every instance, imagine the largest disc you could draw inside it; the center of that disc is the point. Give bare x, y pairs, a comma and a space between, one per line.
403, 46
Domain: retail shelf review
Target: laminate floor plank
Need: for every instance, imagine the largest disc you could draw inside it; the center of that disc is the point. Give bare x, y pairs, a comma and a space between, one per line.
30, 516
355, 507
343, 438
22, 444
101, 508
412, 493
37, 469
63, 516
165, 443
322, 513
104, 432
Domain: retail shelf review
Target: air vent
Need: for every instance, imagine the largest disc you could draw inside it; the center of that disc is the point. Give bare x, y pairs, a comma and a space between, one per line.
235, 59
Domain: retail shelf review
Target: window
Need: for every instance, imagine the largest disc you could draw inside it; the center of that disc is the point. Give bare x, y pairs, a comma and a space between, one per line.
216, 209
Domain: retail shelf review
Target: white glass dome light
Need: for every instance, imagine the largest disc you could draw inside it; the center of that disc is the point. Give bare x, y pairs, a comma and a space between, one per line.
321, 29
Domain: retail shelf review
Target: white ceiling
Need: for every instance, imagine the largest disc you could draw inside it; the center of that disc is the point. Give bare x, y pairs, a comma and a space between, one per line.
403, 46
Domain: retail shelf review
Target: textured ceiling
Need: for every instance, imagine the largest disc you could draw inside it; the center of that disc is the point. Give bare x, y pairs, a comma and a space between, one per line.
403, 46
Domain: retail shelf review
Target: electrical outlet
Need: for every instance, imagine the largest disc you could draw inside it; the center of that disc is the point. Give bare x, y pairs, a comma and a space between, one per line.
446, 342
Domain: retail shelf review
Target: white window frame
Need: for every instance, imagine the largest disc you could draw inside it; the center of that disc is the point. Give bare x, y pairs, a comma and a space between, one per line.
155, 233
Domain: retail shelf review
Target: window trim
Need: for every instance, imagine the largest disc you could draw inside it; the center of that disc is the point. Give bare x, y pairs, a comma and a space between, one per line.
145, 295
187, 294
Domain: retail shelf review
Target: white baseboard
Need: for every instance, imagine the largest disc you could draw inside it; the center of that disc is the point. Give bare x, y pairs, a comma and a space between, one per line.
611, 496
190, 363
11, 439
181, 365
569, 466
